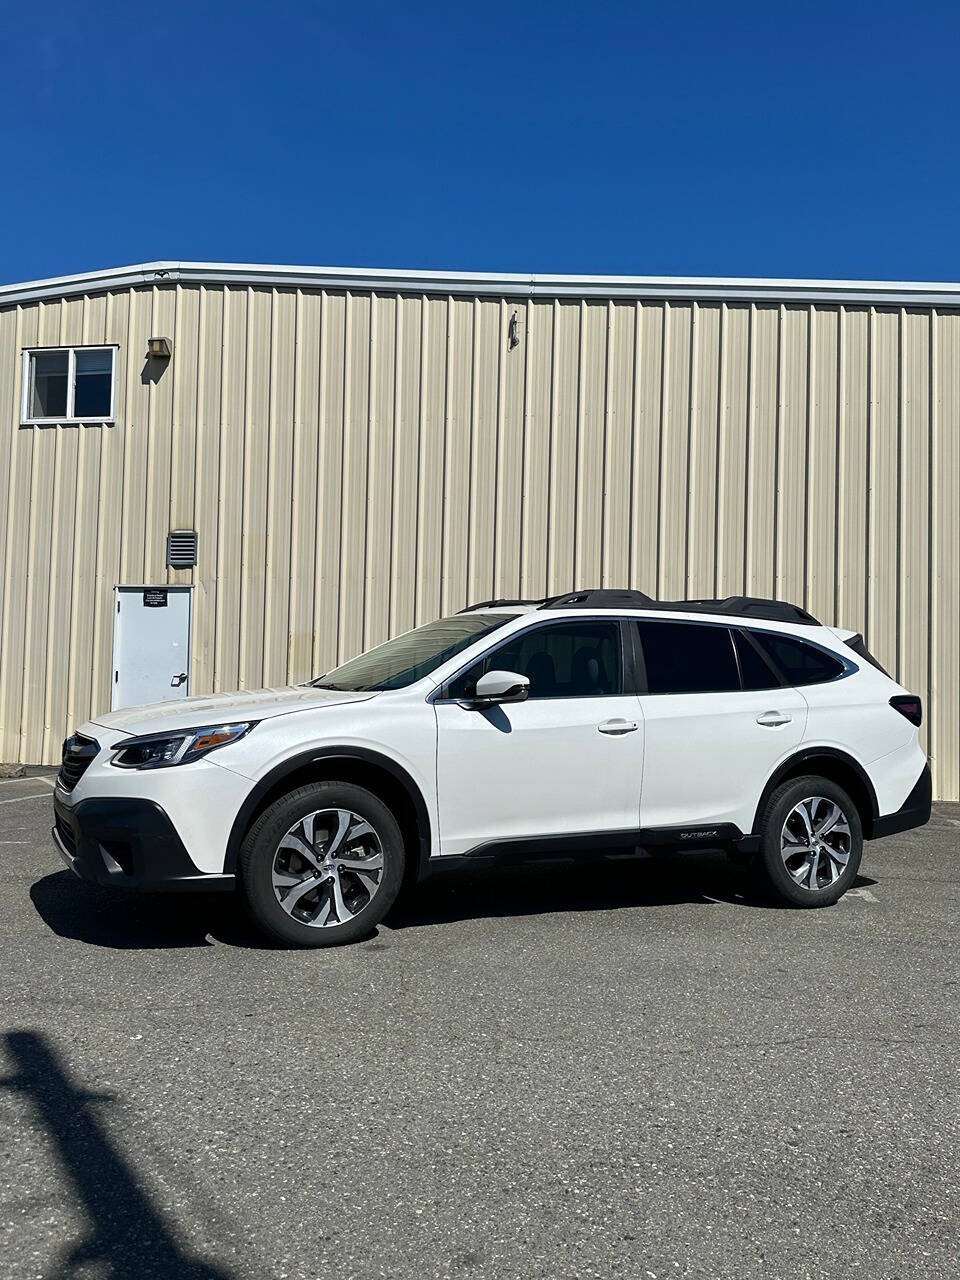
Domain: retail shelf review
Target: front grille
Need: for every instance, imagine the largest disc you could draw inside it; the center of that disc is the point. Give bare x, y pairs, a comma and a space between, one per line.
78, 754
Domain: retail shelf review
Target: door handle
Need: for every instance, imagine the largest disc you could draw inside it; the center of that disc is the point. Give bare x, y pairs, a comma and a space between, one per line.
773, 719
616, 727
177, 681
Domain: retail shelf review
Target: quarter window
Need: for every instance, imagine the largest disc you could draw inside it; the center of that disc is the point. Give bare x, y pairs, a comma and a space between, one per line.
68, 384
684, 657
799, 663
755, 671
575, 660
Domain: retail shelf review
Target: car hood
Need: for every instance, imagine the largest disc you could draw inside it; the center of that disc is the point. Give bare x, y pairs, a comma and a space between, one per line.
223, 708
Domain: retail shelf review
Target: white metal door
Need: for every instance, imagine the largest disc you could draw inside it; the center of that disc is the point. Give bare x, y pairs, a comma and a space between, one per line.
711, 743
554, 767
708, 755
566, 762
151, 645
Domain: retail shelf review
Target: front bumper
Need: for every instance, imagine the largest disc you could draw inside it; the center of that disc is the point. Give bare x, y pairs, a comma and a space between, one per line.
129, 844
914, 811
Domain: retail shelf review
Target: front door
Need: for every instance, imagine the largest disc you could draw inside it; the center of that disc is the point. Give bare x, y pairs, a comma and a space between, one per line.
151, 645
565, 763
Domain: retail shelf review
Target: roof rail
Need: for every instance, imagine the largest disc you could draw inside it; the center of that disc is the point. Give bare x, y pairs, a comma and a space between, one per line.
497, 604
745, 607
735, 606
600, 598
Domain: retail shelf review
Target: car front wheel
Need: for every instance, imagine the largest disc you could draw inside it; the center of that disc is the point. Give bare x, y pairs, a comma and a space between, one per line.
811, 841
322, 865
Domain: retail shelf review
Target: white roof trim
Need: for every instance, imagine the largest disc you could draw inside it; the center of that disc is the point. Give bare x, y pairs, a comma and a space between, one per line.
473, 283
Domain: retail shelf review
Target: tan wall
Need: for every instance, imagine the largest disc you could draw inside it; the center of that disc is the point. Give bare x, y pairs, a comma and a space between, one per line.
358, 463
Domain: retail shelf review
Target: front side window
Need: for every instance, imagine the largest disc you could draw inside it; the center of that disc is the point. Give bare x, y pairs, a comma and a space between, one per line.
687, 657
410, 657
68, 384
798, 662
567, 660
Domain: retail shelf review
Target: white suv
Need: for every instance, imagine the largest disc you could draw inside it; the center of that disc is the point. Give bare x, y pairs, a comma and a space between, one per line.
593, 720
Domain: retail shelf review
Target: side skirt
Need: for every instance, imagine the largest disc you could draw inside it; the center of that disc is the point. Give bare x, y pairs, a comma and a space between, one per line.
591, 844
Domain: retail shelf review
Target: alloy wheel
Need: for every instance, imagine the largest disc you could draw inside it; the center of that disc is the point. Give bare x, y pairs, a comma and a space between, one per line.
815, 843
327, 868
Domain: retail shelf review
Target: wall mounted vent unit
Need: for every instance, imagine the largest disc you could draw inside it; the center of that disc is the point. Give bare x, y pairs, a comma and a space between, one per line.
181, 548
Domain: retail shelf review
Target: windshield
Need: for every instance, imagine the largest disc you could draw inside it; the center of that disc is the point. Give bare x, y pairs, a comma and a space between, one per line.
410, 657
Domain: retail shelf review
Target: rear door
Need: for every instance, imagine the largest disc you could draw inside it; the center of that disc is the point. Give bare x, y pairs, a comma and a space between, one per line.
565, 763
716, 722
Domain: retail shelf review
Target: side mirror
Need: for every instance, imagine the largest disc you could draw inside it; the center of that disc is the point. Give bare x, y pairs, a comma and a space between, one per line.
500, 686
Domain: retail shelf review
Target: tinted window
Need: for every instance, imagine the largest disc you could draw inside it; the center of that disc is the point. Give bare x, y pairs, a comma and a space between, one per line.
94, 384
574, 660
684, 657
412, 656
799, 663
69, 384
755, 672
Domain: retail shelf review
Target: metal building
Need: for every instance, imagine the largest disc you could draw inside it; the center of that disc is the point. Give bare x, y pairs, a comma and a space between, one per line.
359, 451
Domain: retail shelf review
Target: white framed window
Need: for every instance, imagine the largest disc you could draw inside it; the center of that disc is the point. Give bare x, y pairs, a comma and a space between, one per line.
68, 384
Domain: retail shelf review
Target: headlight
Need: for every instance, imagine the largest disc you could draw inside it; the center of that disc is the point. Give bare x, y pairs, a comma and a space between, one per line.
159, 750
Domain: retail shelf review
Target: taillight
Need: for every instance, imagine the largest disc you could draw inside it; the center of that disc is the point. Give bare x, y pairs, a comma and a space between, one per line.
909, 705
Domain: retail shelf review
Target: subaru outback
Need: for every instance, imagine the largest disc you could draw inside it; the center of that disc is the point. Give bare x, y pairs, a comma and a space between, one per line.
591, 721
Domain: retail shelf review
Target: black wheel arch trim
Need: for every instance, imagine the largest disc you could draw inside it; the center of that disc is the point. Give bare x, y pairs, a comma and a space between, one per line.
303, 760
809, 755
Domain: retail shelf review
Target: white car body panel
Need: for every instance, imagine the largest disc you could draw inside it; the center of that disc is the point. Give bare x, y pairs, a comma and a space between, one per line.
895, 775
218, 708
202, 799
851, 715
201, 808
707, 758
537, 768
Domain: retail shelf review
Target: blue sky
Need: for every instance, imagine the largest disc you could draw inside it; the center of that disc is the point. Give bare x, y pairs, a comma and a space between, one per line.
698, 138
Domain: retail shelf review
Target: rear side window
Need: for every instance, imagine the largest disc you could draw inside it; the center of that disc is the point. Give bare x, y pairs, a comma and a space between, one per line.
685, 657
569, 660
799, 663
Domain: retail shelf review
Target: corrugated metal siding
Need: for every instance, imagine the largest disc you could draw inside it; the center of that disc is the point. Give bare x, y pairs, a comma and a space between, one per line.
356, 463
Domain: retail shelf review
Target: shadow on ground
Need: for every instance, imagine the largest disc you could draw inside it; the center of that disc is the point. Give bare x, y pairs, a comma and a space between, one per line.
129, 1238
122, 920
125, 920
608, 883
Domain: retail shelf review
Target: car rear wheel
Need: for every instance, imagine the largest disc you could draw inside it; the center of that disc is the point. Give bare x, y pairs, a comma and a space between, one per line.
322, 865
811, 841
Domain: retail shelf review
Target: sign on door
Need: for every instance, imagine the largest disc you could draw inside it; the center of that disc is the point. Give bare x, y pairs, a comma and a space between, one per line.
151, 645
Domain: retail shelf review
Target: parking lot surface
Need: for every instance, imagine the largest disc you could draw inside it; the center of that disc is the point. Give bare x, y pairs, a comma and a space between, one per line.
635, 1068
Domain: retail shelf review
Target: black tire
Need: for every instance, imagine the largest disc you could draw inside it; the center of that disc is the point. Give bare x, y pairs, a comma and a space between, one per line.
782, 804
262, 845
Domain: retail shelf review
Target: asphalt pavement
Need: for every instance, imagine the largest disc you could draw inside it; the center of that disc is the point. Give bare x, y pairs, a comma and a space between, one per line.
634, 1068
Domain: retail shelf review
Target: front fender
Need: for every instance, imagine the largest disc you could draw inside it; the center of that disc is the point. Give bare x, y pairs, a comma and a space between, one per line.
316, 755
